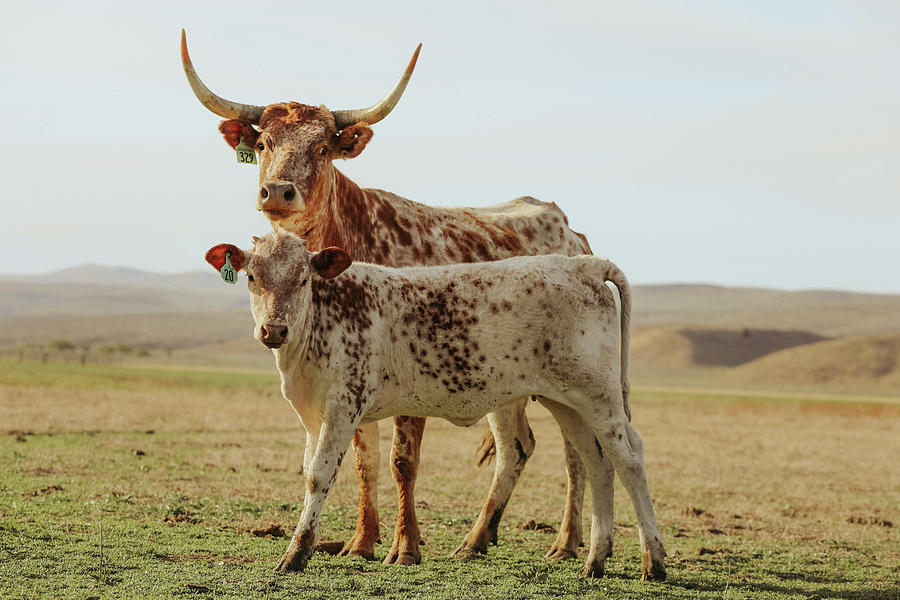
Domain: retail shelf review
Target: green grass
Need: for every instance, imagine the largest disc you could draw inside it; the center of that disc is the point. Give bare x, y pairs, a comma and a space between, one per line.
113, 377
127, 513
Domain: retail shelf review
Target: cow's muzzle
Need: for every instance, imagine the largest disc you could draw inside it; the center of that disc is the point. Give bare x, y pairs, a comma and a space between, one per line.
273, 335
278, 199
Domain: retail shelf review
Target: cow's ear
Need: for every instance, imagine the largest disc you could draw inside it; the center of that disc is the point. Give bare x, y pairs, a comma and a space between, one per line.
234, 129
330, 262
216, 256
352, 140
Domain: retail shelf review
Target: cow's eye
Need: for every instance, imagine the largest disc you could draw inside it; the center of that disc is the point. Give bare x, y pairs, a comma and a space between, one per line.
324, 150
303, 282
249, 277
260, 147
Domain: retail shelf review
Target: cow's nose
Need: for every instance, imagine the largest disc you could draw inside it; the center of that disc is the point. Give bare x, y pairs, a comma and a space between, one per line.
273, 335
274, 193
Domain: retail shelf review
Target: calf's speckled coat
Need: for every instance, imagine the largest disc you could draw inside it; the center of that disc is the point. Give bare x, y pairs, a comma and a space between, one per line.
357, 343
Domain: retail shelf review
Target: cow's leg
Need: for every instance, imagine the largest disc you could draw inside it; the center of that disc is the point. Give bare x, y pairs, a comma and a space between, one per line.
365, 447
600, 472
514, 445
404, 466
622, 444
569, 537
335, 435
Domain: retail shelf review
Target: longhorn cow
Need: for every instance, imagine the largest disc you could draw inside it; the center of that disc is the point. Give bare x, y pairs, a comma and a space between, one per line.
301, 192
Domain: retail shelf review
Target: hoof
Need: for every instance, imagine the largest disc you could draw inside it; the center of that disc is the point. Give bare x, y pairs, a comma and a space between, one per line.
355, 550
291, 562
468, 552
558, 554
403, 558
593, 569
656, 572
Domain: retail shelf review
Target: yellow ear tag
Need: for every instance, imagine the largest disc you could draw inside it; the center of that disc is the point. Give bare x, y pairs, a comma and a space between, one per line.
245, 154
227, 271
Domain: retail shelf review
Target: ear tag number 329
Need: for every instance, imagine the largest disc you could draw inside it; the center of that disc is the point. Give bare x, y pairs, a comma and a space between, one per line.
245, 153
227, 271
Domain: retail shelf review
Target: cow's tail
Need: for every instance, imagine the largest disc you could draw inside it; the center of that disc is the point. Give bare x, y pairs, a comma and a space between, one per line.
617, 277
486, 450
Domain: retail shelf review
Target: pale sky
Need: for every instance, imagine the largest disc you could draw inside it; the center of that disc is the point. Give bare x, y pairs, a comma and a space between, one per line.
736, 143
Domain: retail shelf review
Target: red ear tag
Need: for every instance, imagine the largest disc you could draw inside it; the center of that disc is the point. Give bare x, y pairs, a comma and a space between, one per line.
245, 154
227, 271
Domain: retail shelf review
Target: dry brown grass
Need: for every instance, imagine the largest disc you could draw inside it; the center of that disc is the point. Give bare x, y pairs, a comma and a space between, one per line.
754, 466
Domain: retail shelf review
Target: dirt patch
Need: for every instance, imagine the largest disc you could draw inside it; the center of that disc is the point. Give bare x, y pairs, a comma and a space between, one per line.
272, 530
42, 492
858, 520
39, 471
532, 525
332, 548
174, 519
692, 511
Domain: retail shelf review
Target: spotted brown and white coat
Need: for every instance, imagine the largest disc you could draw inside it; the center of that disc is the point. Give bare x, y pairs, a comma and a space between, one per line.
355, 343
301, 192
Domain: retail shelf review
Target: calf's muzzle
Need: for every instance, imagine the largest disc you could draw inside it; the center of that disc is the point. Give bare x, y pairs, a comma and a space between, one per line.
273, 335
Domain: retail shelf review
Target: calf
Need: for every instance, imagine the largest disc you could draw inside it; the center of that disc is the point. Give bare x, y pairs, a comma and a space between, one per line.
357, 343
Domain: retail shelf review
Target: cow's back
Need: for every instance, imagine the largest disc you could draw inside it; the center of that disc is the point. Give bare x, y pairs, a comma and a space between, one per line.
408, 233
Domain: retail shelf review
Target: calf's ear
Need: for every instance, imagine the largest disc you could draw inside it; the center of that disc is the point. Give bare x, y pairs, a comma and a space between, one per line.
233, 130
216, 256
330, 262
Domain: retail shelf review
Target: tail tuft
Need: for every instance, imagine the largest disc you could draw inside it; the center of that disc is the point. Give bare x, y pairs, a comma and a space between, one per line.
486, 451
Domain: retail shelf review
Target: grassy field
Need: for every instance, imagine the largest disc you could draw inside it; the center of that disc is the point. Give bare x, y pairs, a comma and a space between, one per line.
149, 483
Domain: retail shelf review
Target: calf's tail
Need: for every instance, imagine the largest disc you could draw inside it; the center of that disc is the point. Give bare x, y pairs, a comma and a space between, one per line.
617, 277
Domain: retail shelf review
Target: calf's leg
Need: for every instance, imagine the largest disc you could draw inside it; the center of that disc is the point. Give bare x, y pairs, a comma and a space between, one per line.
366, 454
514, 445
321, 472
600, 472
624, 447
404, 465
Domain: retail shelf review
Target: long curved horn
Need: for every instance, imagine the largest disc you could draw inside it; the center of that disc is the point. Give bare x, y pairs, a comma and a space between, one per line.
376, 112
220, 106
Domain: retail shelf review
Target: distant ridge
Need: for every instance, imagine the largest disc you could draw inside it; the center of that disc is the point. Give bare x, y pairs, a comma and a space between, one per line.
828, 313
100, 274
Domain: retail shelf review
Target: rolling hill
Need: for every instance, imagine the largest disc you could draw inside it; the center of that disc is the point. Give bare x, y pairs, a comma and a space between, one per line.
865, 360
741, 336
673, 347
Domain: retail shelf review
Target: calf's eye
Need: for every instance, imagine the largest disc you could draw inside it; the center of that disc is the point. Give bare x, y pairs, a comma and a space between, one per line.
323, 151
260, 147
249, 277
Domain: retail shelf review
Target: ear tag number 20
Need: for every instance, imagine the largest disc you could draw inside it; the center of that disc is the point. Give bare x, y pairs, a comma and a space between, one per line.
245, 153
228, 272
